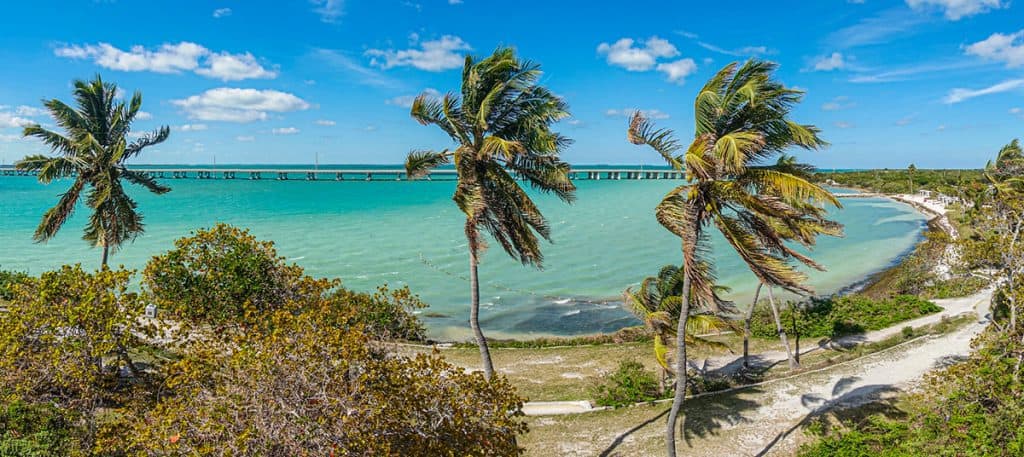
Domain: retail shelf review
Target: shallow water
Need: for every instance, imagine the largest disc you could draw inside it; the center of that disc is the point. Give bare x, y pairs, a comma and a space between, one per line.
368, 233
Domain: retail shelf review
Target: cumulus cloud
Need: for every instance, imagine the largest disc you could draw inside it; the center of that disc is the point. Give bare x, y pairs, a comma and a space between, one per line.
628, 112
171, 58
835, 61
960, 94
221, 12
999, 47
192, 127
678, 71
239, 105
9, 120
143, 116
329, 10
633, 56
285, 131
957, 9
444, 53
405, 101
839, 103
30, 111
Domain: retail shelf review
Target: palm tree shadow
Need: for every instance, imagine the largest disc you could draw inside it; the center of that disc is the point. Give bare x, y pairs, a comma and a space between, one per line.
877, 395
703, 416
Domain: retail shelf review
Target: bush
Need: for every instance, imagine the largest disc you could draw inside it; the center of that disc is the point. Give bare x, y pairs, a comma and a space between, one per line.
630, 383
955, 287
835, 317
35, 431
223, 275
316, 388
8, 279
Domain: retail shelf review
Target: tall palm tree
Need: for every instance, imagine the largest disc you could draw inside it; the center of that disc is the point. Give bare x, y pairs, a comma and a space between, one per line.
657, 303
910, 176
93, 150
742, 119
501, 126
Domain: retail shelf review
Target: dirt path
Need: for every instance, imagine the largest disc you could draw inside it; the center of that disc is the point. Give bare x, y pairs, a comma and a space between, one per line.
764, 419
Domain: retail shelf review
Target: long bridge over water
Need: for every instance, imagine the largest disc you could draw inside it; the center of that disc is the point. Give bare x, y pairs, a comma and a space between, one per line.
368, 174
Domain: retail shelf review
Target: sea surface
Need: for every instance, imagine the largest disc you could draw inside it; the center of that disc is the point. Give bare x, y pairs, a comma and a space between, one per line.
410, 233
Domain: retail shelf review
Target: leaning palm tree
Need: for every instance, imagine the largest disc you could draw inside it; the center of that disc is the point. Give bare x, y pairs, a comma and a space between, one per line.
657, 303
742, 119
501, 126
92, 151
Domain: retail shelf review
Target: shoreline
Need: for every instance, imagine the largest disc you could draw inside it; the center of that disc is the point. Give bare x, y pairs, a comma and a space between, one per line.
935, 221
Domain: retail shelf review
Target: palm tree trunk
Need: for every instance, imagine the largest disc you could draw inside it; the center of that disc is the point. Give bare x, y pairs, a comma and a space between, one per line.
782, 331
680, 394
746, 327
106, 254
474, 311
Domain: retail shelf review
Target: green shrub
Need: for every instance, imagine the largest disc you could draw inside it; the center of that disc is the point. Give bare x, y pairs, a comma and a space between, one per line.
955, 287
630, 383
34, 430
840, 316
7, 281
224, 275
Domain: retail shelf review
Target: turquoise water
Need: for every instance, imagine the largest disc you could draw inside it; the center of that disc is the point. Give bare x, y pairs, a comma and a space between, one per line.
368, 233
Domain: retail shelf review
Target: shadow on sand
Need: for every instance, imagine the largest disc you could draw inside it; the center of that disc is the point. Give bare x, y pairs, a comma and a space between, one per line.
703, 416
879, 396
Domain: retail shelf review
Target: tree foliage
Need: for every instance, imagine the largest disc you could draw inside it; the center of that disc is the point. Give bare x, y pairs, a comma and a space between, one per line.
93, 151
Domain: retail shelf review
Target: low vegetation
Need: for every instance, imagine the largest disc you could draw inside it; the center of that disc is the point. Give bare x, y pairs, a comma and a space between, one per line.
839, 316
903, 181
83, 372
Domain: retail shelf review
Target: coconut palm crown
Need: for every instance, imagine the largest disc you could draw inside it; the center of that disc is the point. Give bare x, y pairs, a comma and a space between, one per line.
500, 123
92, 151
742, 122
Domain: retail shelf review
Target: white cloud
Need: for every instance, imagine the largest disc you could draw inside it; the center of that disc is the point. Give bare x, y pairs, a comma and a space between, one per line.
285, 131
192, 127
643, 57
239, 105
1017, 112
628, 112
245, 138
221, 12
234, 67
325, 122
956, 9
433, 55
835, 61
329, 10
8, 120
960, 94
405, 101
1001, 48
370, 128
678, 71
839, 103
143, 116
171, 58
30, 111
844, 125
454, 2
355, 71
906, 120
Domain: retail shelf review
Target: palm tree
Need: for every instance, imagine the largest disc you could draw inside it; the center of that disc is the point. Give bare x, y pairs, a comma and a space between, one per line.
501, 126
93, 151
910, 176
742, 119
656, 302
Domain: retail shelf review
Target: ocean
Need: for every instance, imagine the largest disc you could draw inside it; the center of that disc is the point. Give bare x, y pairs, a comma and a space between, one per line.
410, 233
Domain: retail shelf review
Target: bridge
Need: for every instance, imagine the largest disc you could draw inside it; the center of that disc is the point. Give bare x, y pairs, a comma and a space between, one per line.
369, 174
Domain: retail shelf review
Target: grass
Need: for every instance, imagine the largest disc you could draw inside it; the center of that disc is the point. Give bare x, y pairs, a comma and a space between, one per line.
710, 419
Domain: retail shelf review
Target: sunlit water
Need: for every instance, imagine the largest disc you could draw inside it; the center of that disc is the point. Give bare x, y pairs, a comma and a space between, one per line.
369, 233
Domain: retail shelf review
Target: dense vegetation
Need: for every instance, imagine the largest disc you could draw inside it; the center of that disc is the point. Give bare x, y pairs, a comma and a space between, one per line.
838, 316
83, 372
972, 407
949, 182
7, 281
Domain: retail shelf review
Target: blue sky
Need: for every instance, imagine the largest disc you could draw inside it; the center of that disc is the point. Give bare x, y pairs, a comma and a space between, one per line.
939, 83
